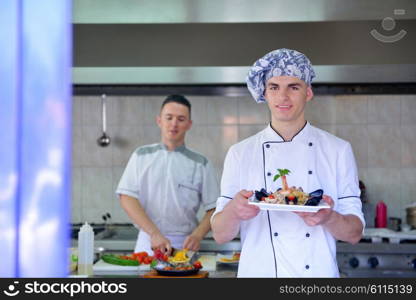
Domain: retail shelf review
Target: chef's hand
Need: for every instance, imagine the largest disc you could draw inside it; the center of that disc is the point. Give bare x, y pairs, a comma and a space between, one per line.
321, 216
158, 241
241, 208
192, 242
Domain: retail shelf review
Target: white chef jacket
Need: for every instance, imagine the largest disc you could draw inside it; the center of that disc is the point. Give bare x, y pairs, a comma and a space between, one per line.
171, 186
280, 244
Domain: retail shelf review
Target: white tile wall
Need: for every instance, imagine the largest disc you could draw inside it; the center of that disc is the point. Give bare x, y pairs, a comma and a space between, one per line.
92, 154
76, 205
408, 109
407, 186
380, 128
384, 146
251, 112
77, 111
97, 194
126, 111
322, 110
221, 111
408, 135
383, 184
219, 140
124, 141
357, 135
384, 109
118, 214
151, 109
77, 146
351, 109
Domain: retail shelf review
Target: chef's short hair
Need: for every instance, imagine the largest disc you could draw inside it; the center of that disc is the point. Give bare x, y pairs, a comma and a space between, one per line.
177, 99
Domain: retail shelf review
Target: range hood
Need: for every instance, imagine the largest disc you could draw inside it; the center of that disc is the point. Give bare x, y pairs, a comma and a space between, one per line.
168, 42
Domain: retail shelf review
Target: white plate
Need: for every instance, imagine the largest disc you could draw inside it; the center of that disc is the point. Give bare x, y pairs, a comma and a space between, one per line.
219, 256
287, 207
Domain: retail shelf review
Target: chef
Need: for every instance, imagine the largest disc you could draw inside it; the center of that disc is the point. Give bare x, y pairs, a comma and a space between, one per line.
278, 243
164, 185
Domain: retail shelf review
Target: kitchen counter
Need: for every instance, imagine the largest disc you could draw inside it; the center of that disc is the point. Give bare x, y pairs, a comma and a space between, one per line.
209, 261
381, 252
221, 272
123, 239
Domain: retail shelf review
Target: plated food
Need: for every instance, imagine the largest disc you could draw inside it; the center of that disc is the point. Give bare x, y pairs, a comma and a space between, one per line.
234, 258
288, 196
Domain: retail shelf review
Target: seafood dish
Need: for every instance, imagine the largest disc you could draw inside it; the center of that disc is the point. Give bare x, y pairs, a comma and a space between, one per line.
288, 195
291, 196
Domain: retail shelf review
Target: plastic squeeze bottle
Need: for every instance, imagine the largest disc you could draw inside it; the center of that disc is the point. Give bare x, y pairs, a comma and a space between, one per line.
381, 215
85, 250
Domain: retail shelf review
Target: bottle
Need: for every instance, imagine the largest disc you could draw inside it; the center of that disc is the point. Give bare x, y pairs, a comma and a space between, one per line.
85, 250
381, 215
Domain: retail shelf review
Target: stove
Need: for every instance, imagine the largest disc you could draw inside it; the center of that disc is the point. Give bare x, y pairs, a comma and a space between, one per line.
381, 253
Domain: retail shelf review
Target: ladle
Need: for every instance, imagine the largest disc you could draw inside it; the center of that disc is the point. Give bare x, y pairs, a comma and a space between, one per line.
104, 140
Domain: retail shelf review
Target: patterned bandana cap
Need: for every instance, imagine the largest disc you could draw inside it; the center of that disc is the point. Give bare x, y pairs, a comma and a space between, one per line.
280, 62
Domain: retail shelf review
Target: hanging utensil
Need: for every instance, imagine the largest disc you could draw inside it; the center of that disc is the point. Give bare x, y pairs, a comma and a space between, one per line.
104, 139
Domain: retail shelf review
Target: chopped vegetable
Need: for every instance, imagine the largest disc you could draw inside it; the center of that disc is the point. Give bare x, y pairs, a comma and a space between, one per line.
158, 254
179, 257
197, 265
153, 263
147, 260
118, 260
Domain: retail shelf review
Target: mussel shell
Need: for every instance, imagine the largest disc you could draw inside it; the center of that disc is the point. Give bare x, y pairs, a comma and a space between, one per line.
315, 198
313, 201
260, 194
317, 193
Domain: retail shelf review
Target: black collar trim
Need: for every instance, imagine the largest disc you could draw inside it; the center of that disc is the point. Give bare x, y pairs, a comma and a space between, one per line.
300, 130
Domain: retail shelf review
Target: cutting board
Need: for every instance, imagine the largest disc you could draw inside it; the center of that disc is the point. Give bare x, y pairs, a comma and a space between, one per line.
101, 267
209, 262
153, 274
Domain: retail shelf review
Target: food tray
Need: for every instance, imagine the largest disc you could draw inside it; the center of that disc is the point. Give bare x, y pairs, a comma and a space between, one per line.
287, 207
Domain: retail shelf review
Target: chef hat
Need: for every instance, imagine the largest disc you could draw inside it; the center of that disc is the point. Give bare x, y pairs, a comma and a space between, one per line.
280, 62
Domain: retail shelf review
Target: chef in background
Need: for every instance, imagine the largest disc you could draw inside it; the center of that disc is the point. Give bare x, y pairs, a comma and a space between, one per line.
279, 243
164, 185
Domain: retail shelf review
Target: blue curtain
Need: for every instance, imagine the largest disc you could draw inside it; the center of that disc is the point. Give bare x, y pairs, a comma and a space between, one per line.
35, 122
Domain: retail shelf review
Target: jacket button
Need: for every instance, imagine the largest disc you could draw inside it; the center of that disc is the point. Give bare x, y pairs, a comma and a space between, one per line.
308, 235
310, 144
309, 172
307, 267
269, 174
267, 146
276, 234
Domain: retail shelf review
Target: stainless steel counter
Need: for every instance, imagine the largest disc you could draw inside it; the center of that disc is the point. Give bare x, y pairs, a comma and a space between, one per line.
365, 259
123, 239
222, 271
